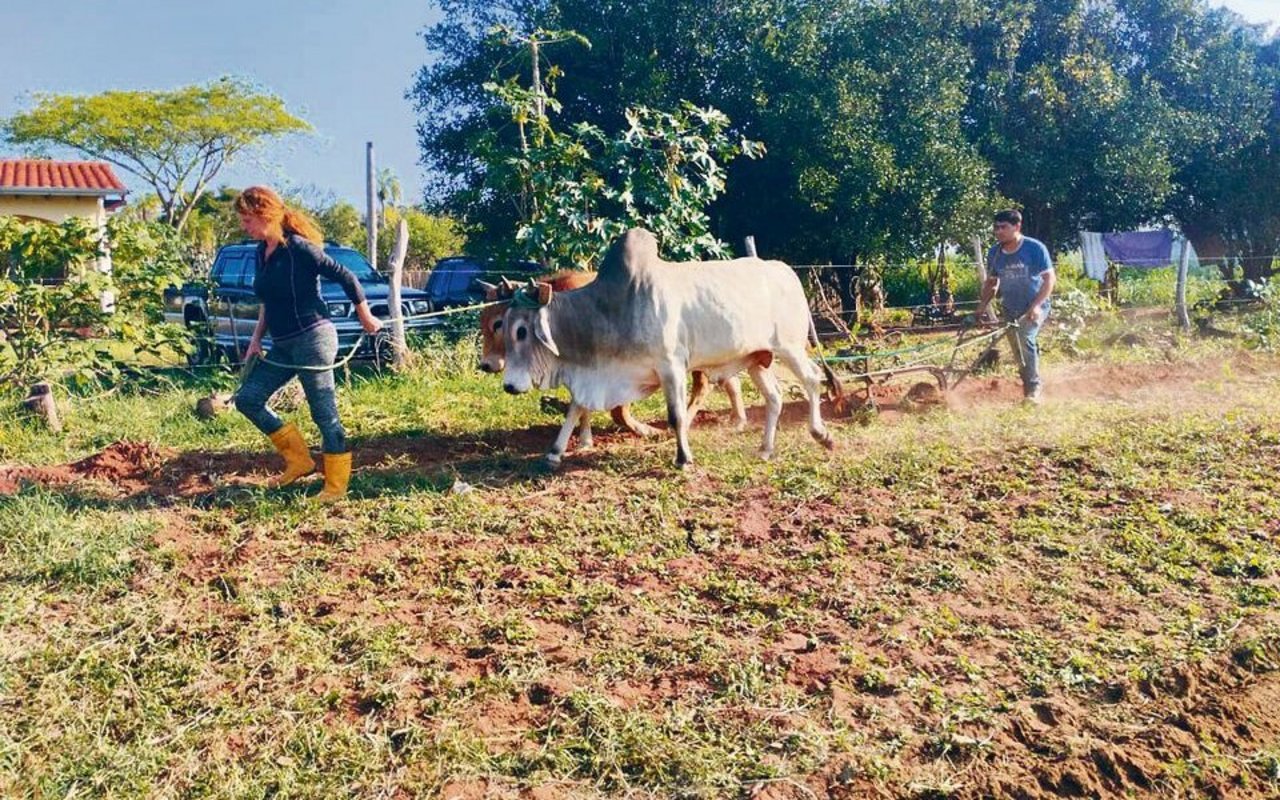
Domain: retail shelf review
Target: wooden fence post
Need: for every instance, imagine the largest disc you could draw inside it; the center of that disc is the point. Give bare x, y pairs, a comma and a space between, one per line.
1184, 319
398, 347
980, 259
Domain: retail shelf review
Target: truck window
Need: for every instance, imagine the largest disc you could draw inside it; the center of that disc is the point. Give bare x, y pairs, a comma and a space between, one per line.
461, 278
233, 273
250, 273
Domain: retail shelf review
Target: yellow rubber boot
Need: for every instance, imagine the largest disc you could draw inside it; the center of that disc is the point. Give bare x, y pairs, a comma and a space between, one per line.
297, 458
337, 474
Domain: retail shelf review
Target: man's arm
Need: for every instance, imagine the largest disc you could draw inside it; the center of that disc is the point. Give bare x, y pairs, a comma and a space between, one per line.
989, 287
1047, 280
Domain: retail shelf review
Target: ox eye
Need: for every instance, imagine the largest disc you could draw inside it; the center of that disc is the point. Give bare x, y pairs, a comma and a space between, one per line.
497, 326
521, 334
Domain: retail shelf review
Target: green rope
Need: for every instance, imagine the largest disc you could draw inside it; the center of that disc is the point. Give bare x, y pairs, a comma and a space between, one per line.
360, 340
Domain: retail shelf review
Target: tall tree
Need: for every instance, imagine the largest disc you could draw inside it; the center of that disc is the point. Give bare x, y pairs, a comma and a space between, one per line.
895, 125
389, 191
176, 141
855, 137
1076, 135
1225, 80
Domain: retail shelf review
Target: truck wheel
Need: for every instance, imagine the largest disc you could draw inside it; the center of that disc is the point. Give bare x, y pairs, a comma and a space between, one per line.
203, 351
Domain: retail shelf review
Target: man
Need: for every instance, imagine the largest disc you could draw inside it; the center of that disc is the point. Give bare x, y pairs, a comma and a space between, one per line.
1020, 268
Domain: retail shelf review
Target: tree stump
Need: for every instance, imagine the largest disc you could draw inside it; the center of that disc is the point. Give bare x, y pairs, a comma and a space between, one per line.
40, 402
211, 405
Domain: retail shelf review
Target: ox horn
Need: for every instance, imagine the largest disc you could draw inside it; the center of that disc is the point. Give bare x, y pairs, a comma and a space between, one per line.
543, 292
490, 290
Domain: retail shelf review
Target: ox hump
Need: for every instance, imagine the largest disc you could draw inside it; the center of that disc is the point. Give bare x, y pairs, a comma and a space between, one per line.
630, 254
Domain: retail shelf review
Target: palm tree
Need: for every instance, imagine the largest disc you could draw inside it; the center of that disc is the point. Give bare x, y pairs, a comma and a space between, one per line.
389, 193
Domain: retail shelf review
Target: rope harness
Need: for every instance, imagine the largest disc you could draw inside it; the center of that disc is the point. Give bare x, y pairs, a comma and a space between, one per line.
355, 348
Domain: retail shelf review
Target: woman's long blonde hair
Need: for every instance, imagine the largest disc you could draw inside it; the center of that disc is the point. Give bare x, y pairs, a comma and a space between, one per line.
265, 204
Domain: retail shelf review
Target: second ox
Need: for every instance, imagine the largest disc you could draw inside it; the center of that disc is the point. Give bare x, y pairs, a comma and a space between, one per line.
644, 323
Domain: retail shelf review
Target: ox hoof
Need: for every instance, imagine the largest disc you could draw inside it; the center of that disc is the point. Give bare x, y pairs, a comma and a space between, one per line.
552, 460
646, 431
765, 455
740, 426
825, 440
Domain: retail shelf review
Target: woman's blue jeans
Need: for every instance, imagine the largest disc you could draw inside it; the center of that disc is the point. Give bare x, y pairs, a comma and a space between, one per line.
314, 348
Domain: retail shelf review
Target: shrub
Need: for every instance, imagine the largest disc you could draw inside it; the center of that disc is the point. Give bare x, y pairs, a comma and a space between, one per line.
62, 319
1264, 326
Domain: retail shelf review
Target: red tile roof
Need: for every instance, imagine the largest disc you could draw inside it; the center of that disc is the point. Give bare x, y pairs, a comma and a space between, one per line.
38, 176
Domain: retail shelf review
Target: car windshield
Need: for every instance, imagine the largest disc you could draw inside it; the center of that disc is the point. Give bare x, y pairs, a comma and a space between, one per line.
355, 262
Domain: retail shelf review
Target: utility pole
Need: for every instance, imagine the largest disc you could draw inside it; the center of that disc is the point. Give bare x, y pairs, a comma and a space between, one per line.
371, 213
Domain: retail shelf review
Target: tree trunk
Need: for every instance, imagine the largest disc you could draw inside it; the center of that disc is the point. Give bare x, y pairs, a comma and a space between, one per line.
399, 350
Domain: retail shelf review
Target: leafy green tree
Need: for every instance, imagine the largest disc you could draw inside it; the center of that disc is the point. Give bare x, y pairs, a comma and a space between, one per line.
431, 237
1076, 136
176, 141
896, 125
660, 173
855, 137
1225, 81
581, 188
341, 222
213, 222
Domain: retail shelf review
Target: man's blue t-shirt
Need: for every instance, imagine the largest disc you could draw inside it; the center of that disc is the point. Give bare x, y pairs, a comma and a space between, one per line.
1021, 274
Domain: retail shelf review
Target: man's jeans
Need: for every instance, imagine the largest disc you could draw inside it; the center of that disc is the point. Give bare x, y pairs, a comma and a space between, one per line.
316, 347
1027, 350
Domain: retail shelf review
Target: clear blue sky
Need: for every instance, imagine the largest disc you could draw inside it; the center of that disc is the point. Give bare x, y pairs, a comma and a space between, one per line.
342, 65
1256, 10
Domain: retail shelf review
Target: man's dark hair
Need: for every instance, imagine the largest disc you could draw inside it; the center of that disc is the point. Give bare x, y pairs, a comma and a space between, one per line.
1009, 215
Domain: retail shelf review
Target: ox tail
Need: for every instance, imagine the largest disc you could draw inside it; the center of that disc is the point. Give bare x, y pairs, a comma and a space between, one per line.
835, 389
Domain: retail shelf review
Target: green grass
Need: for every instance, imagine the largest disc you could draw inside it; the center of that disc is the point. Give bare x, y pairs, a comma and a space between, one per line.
877, 619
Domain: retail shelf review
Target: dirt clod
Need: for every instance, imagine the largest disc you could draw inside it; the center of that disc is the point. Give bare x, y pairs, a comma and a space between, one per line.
121, 461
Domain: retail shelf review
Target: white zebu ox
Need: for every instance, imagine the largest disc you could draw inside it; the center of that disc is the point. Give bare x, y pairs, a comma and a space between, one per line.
645, 323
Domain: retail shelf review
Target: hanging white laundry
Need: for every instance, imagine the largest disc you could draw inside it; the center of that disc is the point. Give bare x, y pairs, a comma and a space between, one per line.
1095, 256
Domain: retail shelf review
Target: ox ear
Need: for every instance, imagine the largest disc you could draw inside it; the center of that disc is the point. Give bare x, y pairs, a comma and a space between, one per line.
490, 290
542, 331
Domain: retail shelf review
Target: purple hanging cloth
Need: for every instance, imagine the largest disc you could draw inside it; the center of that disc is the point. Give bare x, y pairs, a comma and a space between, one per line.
1140, 248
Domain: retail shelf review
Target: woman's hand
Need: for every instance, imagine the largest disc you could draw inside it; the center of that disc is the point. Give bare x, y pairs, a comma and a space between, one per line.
368, 321
254, 349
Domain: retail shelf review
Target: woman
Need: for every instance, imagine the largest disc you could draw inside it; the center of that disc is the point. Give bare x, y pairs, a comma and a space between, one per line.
290, 262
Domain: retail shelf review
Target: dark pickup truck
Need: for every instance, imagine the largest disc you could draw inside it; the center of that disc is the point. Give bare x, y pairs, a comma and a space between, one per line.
224, 311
